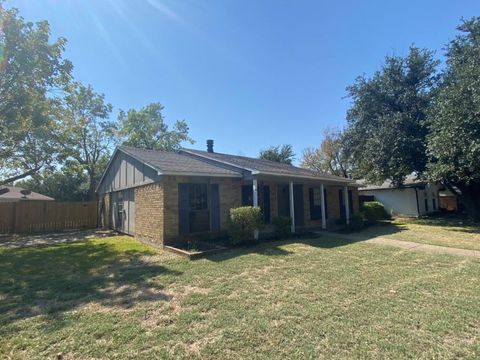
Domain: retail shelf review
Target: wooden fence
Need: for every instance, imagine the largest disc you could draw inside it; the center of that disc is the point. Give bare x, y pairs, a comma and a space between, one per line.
46, 216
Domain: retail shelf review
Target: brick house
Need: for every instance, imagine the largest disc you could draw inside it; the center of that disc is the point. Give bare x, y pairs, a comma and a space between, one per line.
161, 197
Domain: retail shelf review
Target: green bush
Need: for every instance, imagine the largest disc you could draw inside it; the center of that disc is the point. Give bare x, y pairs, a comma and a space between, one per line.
357, 222
243, 222
374, 211
282, 226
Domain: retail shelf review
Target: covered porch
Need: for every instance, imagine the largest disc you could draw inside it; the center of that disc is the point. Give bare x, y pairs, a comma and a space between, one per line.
309, 203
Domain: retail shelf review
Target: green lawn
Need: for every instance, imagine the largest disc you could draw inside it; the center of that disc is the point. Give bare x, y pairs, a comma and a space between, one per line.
323, 298
448, 231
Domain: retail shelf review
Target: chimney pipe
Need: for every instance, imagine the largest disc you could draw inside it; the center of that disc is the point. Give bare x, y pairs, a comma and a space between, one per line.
210, 146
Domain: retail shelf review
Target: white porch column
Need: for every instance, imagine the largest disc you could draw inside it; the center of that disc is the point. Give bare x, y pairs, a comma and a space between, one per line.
323, 206
255, 201
347, 205
292, 206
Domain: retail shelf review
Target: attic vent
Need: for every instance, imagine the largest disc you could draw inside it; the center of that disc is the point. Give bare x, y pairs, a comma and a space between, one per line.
210, 146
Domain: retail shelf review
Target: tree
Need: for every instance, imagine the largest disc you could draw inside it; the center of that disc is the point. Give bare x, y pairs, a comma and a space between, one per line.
146, 128
330, 157
282, 154
65, 185
33, 75
454, 140
386, 133
87, 134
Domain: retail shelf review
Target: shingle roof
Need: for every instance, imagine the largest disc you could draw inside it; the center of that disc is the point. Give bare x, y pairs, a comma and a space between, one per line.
410, 181
14, 194
172, 162
263, 166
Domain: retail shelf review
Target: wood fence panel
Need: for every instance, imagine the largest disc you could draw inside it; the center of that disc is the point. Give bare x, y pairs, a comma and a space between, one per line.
46, 216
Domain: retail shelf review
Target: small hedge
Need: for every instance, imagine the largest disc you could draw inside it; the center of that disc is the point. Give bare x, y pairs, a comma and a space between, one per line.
243, 221
282, 227
357, 222
374, 211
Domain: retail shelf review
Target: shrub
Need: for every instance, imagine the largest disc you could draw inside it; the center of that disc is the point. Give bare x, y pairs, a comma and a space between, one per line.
357, 222
243, 222
374, 211
282, 226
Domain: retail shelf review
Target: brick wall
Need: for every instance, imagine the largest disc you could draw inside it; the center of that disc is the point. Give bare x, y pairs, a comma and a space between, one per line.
230, 196
149, 213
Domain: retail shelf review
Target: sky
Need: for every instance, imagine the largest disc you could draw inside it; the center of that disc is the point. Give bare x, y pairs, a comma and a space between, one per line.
246, 73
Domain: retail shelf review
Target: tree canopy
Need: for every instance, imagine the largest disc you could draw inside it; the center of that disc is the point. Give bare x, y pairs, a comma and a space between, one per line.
386, 134
33, 75
146, 128
330, 157
282, 154
87, 134
454, 119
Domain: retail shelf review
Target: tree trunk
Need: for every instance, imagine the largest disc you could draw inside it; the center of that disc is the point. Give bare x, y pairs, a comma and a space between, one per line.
471, 200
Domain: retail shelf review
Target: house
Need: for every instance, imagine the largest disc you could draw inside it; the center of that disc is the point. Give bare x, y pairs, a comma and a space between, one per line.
414, 198
15, 193
162, 197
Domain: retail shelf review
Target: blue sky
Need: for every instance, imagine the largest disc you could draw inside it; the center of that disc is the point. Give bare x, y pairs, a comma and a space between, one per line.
248, 73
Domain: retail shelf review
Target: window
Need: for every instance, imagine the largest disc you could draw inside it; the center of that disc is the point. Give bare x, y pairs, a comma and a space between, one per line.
315, 203
198, 197
315, 196
247, 195
434, 204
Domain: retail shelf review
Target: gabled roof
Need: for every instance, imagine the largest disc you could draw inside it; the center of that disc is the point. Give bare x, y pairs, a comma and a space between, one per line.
13, 193
411, 181
176, 163
264, 167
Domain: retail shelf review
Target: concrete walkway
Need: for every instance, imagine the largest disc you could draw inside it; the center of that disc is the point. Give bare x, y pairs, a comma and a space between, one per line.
410, 245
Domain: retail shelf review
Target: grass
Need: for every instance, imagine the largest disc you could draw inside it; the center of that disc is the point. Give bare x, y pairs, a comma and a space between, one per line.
322, 298
450, 231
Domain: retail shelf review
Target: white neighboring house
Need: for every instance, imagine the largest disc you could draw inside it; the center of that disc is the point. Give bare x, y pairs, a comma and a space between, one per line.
415, 198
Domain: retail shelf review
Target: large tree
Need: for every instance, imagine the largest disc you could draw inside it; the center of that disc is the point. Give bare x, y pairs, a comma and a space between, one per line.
283, 154
330, 157
146, 128
454, 141
87, 134
33, 75
386, 134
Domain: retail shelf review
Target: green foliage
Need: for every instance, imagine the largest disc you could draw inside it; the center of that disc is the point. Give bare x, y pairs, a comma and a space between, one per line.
374, 211
282, 154
357, 222
243, 221
33, 75
386, 130
454, 140
146, 128
282, 227
87, 134
330, 157
64, 185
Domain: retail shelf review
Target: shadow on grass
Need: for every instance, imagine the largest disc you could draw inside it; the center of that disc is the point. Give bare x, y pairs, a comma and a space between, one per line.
319, 240
451, 222
49, 280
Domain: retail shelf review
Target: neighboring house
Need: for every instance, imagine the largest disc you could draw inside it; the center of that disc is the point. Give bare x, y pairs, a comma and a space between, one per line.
162, 197
15, 193
414, 198
449, 201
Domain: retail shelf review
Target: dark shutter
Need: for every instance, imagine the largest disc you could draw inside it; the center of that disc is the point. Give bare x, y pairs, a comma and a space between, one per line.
247, 195
326, 202
183, 209
215, 207
350, 201
315, 210
341, 203
266, 204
